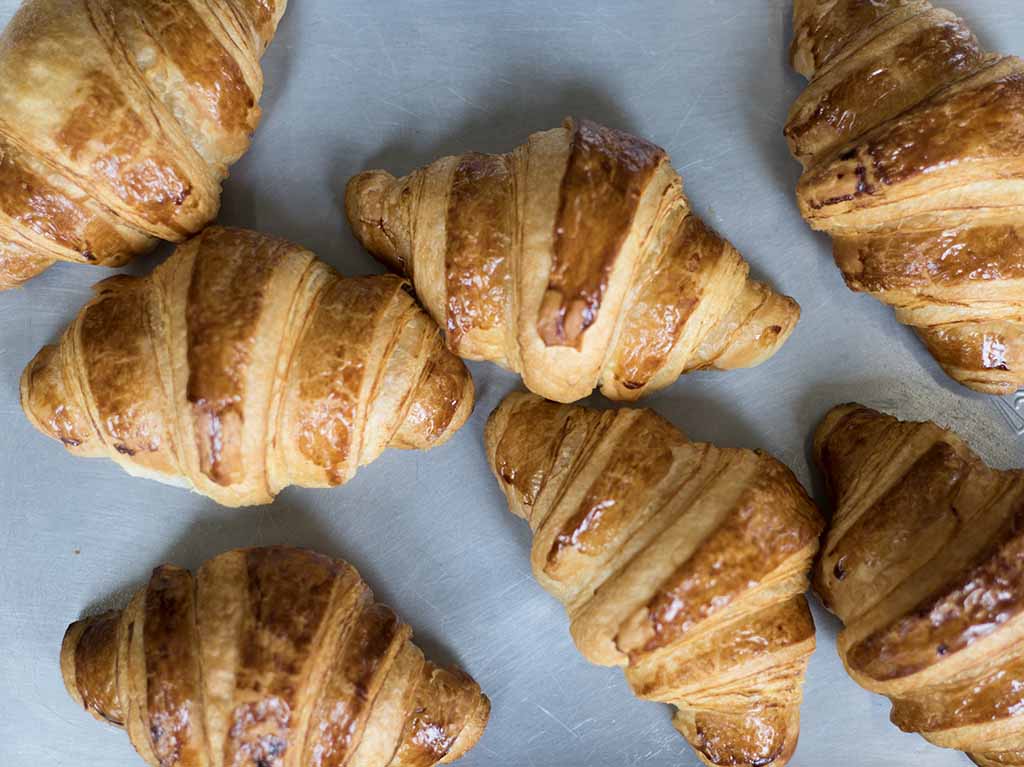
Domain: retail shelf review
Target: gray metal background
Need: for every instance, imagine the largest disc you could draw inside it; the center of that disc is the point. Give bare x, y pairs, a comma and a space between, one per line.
352, 85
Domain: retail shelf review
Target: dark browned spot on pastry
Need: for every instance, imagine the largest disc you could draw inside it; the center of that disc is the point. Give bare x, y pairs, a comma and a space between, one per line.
173, 688
479, 235
641, 459
839, 571
971, 607
771, 522
732, 740
607, 173
226, 298
289, 591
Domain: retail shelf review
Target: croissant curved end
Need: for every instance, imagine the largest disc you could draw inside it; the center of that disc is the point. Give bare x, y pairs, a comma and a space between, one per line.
828, 425
88, 662
44, 399
471, 732
364, 205
441, 405
18, 266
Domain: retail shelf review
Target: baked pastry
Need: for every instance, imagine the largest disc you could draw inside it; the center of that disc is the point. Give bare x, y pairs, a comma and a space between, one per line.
684, 563
272, 656
242, 365
118, 121
574, 261
923, 563
912, 140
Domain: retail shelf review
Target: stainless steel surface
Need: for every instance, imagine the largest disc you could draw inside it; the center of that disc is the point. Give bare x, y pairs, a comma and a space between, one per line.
393, 84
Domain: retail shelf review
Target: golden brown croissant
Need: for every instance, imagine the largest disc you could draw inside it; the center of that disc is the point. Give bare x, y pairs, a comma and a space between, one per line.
118, 120
574, 261
242, 365
912, 139
682, 562
269, 657
924, 563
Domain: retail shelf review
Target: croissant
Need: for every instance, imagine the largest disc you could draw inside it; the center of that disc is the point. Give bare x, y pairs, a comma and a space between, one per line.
118, 120
924, 563
682, 562
575, 261
242, 365
912, 139
272, 656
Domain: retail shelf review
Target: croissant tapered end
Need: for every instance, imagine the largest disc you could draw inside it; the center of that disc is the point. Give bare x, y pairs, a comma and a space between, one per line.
521, 442
742, 738
828, 430
756, 326
52, 408
371, 209
441, 403
88, 664
822, 29
18, 265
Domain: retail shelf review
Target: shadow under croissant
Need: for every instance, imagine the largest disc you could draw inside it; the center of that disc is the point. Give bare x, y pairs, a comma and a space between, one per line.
287, 523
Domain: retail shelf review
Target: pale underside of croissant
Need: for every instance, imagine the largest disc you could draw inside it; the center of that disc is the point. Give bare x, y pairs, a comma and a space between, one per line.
118, 120
912, 140
684, 563
271, 657
924, 563
574, 261
242, 365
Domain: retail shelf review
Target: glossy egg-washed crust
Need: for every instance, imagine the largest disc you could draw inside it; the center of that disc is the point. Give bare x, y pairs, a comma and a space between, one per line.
912, 140
118, 120
924, 563
574, 260
271, 657
684, 563
242, 365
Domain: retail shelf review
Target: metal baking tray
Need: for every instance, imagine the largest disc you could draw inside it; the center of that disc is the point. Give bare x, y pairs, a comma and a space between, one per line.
394, 84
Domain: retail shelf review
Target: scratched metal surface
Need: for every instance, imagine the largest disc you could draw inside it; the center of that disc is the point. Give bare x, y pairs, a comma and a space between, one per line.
394, 84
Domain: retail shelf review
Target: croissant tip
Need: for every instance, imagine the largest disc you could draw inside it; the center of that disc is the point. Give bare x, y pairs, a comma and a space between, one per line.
828, 426
68, 671
365, 209
471, 732
25, 385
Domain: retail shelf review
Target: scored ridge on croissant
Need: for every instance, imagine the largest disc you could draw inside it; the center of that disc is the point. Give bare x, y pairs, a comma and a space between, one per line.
912, 141
924, 563
574, 261
270, 656
684, 563
118, 121
242, 365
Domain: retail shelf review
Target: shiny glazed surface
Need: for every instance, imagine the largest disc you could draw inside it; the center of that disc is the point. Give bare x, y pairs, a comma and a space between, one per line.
682, 562
119, 122
265, 654
911, 137
243, 365
923, 563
